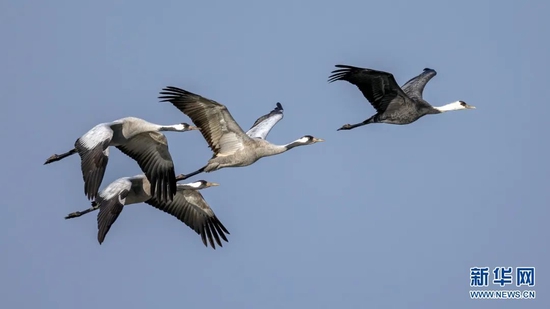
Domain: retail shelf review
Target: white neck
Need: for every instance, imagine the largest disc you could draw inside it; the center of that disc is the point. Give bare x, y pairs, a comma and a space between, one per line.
139, 124
196, 184
192, 185
455, 106
174, 127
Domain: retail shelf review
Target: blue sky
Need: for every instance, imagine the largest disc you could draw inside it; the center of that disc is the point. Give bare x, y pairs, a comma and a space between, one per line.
378, 217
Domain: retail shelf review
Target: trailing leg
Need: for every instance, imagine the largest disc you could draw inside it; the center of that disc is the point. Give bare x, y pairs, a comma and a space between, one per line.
183, 177
75, 214
57, 157
353, 126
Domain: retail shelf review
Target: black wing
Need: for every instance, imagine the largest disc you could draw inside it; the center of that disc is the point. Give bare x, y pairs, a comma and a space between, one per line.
109, 210
378, 87
150, 150
93, 148
190, 208
415, 86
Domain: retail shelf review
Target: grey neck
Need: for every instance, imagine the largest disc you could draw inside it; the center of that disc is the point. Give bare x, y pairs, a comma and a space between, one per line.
292, 145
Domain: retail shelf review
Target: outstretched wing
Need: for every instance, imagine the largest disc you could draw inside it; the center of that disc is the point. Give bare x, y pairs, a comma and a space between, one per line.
93, 148
111, 202
190, 208
150, 150
219, 129
378, 87
415, 86
263, 125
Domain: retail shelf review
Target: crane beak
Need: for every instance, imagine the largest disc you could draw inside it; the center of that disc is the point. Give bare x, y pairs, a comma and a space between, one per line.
317, 140
194, 128
212, 184
469, 106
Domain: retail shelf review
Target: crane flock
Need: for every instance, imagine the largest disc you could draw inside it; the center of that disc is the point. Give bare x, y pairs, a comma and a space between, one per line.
231, 147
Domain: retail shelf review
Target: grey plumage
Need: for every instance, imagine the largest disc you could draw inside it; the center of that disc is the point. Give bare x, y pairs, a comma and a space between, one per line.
231, 146
393, 104
188, 206
138, 139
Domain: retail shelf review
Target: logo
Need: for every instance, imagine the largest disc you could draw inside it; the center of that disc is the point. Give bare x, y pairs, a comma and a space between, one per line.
525, 276
479, 276
500, 277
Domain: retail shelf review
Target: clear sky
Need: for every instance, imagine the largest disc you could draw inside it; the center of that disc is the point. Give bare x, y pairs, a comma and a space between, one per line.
378, 217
